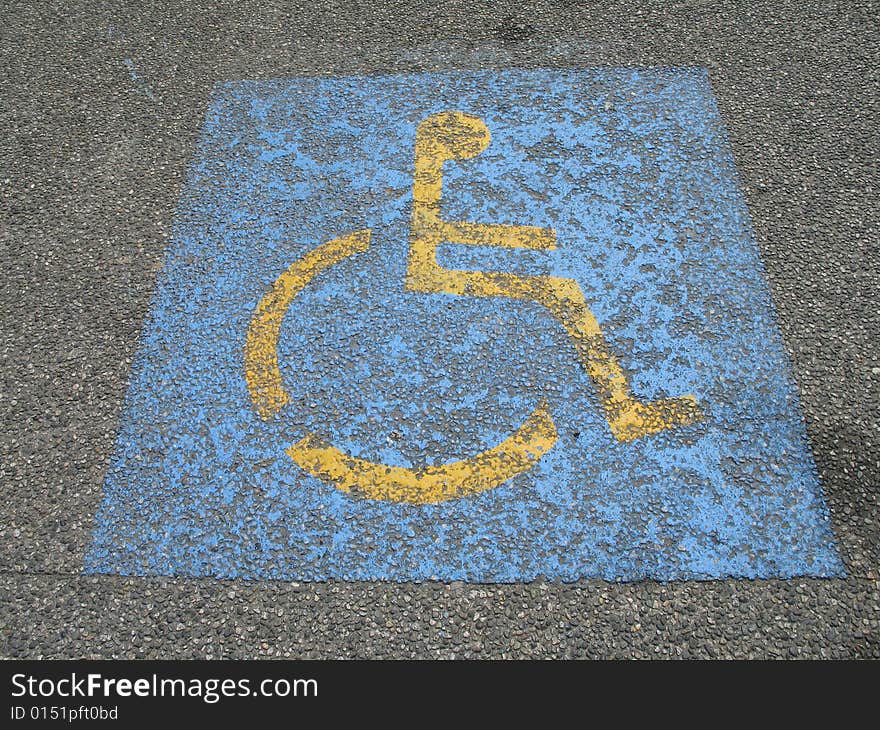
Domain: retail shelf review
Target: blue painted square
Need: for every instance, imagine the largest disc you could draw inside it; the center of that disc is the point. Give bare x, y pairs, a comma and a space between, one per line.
633, 170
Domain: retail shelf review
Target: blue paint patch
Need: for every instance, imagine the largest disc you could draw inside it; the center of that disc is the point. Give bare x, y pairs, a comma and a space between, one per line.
138, 79
633, 170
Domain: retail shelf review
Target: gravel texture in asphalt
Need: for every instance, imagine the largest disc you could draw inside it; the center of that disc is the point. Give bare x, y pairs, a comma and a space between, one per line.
100, 110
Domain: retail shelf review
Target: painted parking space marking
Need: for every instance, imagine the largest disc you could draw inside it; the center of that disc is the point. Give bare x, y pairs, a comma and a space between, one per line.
477, 325
442, 137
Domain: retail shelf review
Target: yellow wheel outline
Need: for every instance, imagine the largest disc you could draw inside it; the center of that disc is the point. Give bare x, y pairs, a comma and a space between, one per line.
517, 453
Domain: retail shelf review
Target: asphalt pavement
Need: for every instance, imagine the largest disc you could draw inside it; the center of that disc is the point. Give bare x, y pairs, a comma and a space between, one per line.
101, 107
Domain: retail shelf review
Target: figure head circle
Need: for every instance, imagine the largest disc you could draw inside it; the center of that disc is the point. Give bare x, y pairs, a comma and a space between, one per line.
458, 135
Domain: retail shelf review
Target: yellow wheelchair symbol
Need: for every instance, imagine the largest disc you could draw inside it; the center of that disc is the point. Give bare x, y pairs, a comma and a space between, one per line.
442, 137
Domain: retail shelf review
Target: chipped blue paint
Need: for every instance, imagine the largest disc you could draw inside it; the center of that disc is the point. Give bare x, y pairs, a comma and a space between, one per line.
633, 170
138, 80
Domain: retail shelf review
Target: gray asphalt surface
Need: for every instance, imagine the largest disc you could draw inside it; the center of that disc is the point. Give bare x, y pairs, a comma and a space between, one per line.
100, 108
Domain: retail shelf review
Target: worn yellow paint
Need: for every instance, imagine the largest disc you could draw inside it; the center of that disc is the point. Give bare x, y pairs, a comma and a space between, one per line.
439, 138
261, 345
484, 471
516, 454
456, 136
